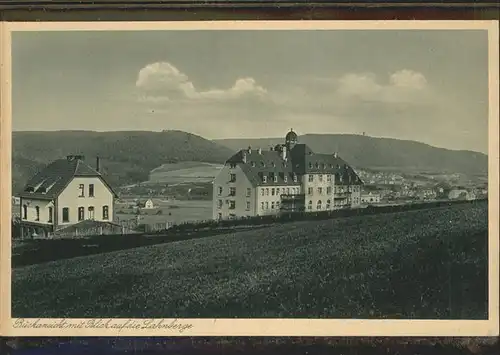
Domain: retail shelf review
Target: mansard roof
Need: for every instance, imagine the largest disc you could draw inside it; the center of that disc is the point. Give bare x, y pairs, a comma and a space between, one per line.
300, 160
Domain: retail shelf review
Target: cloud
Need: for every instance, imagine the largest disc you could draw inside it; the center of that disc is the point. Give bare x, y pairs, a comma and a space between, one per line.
162, 82
403, 86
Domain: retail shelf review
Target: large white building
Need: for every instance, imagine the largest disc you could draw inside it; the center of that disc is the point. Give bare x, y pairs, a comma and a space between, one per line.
64, 193
288, 178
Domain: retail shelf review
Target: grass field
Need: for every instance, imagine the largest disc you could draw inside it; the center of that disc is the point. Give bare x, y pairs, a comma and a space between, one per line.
420, 264
184, 172
173, 211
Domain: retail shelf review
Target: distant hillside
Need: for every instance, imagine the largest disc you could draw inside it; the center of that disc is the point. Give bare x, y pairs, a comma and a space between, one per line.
126, 157
183, 172
369, 152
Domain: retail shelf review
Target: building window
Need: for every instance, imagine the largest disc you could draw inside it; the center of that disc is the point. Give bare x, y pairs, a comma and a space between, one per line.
81, 187
320, 190
232, 191
232, 165
262, 192
267, 205
25, 212
219, 216
309, 190
320, 177
219, 190
232, 205
81, 213
219, 204
285, 178
272, 205
248, 205
277, 205
253, 164
65, 214
262, 205
318, 205
91, 190
249, 192
267, 191
91, 212
328, 190
37, 210
288, 191
328, 178
310, 205
50, 214
232, 178
278, 191
105, 212
264, 178
328, 204
311, 177
273, 191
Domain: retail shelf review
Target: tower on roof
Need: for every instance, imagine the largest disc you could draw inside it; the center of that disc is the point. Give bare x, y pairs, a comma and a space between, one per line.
290, 139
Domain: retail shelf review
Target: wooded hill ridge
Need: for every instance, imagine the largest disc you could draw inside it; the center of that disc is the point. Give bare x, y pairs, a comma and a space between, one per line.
127, 157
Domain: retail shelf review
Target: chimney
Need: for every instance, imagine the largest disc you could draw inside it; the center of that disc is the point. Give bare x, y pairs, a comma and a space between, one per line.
335, 155
244, 157
271, 149
249, 150
260, 150
283, 152
97, 164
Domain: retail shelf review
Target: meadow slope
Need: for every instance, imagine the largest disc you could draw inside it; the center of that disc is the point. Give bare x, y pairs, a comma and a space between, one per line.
420, 264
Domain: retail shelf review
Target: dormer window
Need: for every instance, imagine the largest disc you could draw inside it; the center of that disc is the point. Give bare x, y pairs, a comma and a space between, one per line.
253, 164
285, 178
264, 179
275, 177
232, 165
317, 165
273, 164
294, 177
262, 163
310, 165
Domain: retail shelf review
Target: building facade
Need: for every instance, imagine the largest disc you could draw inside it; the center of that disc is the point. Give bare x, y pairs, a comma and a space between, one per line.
370, 197
290, 177
65, 193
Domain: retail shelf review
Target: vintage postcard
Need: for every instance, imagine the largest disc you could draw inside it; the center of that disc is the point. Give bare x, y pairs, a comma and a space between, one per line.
250, 178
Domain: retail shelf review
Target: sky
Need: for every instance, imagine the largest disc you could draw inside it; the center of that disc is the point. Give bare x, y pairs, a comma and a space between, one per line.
425, 85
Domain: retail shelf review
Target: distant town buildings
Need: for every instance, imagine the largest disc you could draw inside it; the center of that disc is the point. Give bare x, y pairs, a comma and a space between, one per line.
65, 193
370, 197
289, 177
148, 204
461, 194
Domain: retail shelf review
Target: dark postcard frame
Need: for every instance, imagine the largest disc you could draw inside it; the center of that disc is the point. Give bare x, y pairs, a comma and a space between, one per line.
182, 10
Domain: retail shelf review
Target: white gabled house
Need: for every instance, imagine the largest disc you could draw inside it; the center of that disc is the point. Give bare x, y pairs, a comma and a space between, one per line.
66, 192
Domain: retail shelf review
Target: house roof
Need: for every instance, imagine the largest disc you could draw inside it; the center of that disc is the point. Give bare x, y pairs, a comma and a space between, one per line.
53, 179
300, 160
